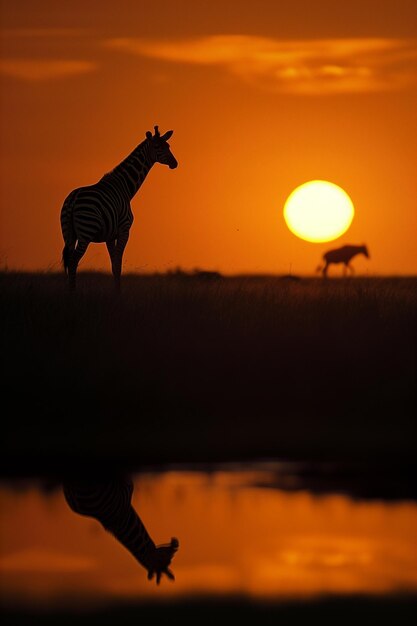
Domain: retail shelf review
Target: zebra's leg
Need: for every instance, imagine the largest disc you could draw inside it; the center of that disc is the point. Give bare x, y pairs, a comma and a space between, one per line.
75, 257
116, 249
111, 248
325, 270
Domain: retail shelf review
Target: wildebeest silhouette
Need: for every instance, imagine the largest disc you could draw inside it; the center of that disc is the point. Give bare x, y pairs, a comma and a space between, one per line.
342, 255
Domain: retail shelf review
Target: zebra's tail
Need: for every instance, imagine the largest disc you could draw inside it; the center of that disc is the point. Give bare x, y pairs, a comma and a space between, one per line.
66, 253
319, 268
67, 228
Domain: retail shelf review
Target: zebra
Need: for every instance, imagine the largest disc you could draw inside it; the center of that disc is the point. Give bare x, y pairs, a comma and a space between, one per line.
342, 255
102, 212
108, 500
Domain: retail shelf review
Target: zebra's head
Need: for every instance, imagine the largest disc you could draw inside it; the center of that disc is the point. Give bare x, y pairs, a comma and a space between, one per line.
365, 251
159, 148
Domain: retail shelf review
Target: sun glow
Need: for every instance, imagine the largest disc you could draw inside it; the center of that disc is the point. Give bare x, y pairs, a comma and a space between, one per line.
318, 211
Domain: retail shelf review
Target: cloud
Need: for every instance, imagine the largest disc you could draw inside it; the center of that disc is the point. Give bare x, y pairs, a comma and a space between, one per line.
316, 67
196, 578
35, 33
43, 70
45, 561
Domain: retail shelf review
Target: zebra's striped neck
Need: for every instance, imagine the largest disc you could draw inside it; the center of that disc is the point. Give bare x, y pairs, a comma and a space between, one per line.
132, 171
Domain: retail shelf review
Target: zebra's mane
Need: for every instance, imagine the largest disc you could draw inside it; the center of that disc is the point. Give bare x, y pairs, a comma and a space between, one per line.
113, 171
108, 174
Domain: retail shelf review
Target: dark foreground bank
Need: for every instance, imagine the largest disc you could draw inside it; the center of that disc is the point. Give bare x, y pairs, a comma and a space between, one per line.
333, 610
189, 370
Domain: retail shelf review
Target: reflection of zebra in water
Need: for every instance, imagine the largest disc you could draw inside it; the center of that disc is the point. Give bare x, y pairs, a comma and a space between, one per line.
102, 212
342, 255
109, 502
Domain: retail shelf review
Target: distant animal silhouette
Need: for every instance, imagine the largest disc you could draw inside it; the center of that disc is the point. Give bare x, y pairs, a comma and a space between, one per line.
109, 502
201, 275
342, 255
205, 275
102, 212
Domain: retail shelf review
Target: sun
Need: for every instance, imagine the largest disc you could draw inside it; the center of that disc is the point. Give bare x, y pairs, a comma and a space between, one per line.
318, 211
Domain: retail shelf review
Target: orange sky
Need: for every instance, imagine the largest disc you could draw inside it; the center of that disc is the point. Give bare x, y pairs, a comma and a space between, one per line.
234, 538
262, 96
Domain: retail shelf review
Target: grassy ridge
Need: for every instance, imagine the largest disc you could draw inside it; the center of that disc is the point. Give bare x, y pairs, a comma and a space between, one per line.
192, 370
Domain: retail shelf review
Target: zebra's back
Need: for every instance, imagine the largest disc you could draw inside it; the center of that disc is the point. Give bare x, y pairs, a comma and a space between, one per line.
107, 501
95, 213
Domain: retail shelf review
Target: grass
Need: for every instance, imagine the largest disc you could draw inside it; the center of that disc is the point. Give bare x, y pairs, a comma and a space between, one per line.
182, 369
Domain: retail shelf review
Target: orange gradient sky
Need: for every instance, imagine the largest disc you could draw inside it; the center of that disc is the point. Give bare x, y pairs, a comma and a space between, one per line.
262, 96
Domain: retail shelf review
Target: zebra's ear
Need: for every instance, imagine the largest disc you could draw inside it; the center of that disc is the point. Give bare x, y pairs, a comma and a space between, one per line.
148, 135
167, 135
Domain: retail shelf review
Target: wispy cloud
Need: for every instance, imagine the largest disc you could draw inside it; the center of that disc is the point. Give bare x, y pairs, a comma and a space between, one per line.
323, 66
44, 70
42, 33
40, 560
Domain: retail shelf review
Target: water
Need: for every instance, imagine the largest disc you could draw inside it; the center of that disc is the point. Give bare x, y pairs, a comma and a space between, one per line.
253, 531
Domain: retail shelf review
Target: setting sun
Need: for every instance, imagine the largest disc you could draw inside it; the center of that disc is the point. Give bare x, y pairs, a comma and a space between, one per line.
318, 211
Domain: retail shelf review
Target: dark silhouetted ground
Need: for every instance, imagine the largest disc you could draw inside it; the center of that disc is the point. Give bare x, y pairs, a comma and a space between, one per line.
344, 611
178, 370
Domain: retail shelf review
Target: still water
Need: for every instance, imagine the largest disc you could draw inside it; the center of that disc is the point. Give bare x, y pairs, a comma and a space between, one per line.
239, 534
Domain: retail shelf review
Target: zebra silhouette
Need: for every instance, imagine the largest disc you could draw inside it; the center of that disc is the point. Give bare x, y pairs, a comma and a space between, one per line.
342, 255
102, 213
109, 502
